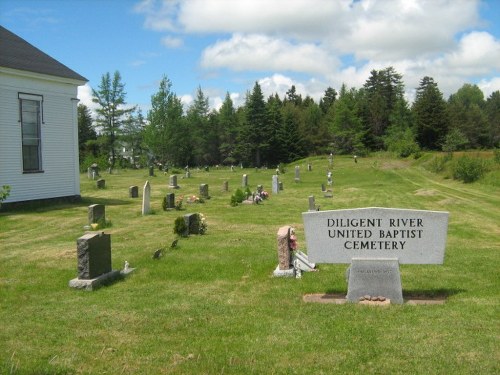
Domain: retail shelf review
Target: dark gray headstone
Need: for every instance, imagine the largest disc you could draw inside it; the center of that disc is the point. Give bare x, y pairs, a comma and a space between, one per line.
133, 191
192, 223
151, 171
204, 191
280, 185
101, 183
170, 201
94, 255
96, 213
225, 186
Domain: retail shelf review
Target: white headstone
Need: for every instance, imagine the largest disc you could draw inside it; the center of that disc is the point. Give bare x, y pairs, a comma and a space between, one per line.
276, 187
146, 198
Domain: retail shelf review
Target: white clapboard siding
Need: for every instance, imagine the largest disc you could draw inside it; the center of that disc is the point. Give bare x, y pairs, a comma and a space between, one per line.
59, 133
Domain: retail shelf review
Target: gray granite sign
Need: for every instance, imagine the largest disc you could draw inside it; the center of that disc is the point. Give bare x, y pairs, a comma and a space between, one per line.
411, 236
375, 241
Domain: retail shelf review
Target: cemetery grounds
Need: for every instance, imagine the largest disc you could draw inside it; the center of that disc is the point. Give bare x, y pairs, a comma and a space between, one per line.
211, 305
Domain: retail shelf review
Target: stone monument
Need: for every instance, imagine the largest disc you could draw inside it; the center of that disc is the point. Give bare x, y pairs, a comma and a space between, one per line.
276, 187
97, 214
374, 241
133, 191
173, 182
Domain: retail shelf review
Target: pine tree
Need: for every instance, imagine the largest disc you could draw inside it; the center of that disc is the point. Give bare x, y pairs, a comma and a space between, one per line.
110, 97
87, 136
429, 112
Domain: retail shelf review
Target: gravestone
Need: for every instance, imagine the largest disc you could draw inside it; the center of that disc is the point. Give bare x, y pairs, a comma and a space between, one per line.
297, 173
232, 168
89, 173
375, 241
244, 181
170, 201
93, 252
280, 183
204, 191
323, 189
97, 214
275, 183
94, 168
192, 223
225, 186
133, 191
101, 183
146, 198
188, 174
151, 171
285, 255
312, 204
94, 255
309, 167
173, 182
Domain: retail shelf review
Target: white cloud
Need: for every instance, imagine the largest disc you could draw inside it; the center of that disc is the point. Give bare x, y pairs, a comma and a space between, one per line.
85, 96
260, 52
171, 42
330, 42
488, 86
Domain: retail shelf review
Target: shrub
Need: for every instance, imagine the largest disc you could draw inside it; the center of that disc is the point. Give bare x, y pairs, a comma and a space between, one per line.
4, 193
468, 169
437, 164
238, 197
180, 227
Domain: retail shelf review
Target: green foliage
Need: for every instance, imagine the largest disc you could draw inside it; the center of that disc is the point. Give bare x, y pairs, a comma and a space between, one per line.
238, 197
468, 169
454, 141
110, 98
402, 143
437, 164
180, 227
4, 193
496, 155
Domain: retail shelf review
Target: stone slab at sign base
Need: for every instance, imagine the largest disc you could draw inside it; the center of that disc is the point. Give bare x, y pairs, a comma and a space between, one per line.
375, 241
374, 277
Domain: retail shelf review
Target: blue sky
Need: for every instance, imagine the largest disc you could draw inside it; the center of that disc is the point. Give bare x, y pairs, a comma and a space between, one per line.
227, 45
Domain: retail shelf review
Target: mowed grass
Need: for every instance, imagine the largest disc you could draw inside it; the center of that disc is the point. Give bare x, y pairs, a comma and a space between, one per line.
211, 306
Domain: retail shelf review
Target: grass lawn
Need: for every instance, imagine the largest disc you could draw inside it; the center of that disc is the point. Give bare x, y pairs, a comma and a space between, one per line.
211, 306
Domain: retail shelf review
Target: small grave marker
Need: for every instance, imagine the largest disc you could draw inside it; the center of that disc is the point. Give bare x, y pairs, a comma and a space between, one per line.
96, 213
173, 182
101, 183
133, 191
204, 191
244, 181
297, 173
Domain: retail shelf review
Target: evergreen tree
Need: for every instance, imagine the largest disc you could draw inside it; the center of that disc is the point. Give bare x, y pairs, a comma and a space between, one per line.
492, 109
274, 119
429, 112
132, 136
110, 97
228, 122
164, 133
255, 134
289, 138
465, 110
382, 91
87, 136
197, 119
345, 124
327, 100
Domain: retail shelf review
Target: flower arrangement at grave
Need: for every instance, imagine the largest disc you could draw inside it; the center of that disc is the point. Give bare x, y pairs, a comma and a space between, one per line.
203, 223
178, 203
292, 243
195, 199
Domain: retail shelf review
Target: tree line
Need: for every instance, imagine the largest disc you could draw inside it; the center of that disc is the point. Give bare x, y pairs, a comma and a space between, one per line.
268, 131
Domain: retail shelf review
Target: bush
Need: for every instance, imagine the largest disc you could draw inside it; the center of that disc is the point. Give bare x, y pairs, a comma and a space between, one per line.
437, 164
180, 227
468, 169
238, 197
4, 193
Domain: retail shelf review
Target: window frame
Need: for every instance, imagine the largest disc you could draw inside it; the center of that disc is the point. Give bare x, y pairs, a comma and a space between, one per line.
29, 160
